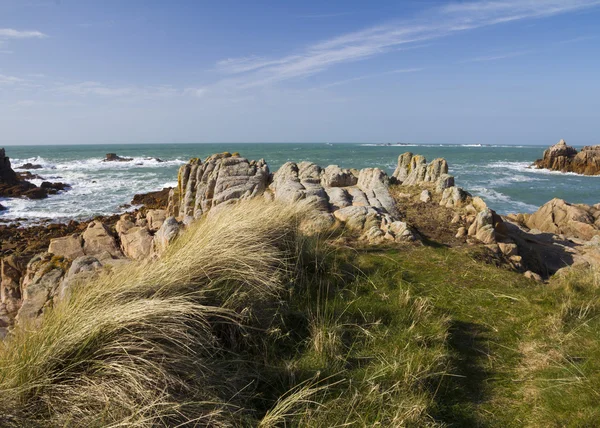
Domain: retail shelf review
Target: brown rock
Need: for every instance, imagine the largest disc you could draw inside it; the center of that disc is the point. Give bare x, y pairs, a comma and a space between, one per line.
561, 157
69, 247
98, 239
560, 217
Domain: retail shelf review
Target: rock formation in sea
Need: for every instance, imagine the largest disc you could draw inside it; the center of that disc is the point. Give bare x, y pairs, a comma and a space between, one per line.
564, 158
13, 185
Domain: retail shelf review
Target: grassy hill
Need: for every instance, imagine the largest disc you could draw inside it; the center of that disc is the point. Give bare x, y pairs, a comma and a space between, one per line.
247, 321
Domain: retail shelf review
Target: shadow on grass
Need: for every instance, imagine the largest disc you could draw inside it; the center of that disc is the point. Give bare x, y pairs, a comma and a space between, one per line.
461, 392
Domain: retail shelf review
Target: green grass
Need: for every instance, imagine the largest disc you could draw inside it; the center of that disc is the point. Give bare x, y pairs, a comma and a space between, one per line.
247, 322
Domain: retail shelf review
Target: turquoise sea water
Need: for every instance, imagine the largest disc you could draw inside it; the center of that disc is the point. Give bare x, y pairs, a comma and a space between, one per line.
499, 174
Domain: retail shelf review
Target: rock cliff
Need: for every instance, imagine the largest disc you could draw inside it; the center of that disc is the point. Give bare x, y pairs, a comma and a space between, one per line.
564, 158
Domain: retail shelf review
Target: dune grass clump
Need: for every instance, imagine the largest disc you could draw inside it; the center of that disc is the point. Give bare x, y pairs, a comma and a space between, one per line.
144, 344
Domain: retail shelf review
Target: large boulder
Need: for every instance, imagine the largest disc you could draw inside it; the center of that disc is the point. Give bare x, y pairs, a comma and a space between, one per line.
167, 233
561, 218
564, 158
69, 247
220, 178
413, 170
12, 269
7, 175
137, 243
39, 285
98, 239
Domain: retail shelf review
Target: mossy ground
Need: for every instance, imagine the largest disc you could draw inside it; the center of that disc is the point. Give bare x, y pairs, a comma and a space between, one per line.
434, 336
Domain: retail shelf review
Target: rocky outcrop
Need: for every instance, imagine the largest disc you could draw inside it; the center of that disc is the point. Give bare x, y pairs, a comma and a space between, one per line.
219, 179
7, 175
361, 199
96, 240
564, 158
561, 218
30, 166
12, 186
113, 157
413, 170
39, 285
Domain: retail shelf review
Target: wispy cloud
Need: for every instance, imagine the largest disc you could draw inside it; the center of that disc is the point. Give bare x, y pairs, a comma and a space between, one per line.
439, 22
10, 80
92, 88
496, 57
371, 76
9, 33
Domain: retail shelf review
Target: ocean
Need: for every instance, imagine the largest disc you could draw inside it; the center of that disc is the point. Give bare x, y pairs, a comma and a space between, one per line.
499, 174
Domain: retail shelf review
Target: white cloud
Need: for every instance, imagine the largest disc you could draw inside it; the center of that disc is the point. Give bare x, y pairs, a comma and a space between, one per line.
196, 92
9, 33
370, 76
496, 57
94, 88
439, 22
10, 80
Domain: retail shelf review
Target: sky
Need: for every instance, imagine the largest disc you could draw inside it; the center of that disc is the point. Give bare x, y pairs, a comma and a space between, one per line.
418, 71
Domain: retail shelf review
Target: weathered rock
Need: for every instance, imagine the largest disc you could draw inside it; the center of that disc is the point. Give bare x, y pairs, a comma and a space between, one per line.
219, 179
12, 269
334, 176
155, 219
564, 158
153, 200
125, 223
404, 167
7, 175
425, 196
113, 157
166, 234
534, 276
462, 232
82, 269
483, 227
560, 217
70, 247
40, 283
455, 197
97, 238
30, 165
137, 243
414, 171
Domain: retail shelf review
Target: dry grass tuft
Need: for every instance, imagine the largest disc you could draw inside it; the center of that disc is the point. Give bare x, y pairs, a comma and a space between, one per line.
143, 345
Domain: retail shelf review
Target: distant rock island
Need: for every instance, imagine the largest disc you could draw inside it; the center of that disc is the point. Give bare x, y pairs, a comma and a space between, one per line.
564, 158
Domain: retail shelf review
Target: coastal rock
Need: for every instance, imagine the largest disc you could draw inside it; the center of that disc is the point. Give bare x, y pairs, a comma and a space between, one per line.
153, 200
413, 170
7, 175
425, 196
225, 178
334, 176
113, 157
560, 217
12, 269
30, 166
221, 178
564, 158
125, 223
455, 197
155, 219
40, 283
97, 239
137, 243
167, 233
82, 269
69, 247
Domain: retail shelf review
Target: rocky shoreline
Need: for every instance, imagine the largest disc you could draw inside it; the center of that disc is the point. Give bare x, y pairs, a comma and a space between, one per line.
564, 158
418, 204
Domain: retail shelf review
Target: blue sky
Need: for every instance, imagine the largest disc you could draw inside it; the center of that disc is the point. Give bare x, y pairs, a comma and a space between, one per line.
112, 71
